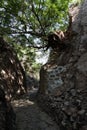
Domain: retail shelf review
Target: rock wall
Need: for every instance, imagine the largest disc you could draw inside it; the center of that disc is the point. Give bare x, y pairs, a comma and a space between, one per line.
52, 79
12, 76
12, 83
64, 77
62, 66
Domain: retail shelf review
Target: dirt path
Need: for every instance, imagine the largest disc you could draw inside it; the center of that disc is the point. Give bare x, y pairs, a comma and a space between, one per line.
30, 116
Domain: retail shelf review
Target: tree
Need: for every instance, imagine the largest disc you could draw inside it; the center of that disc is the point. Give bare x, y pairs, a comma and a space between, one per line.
28, 20
27, 23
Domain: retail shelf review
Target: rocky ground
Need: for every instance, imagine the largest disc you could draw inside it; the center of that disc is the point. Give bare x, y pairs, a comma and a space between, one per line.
30, 116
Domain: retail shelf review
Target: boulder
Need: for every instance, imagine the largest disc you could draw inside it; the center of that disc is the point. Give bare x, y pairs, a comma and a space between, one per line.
12, 75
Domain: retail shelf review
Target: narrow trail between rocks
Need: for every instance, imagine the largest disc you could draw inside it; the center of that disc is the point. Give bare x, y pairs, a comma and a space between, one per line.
29, 116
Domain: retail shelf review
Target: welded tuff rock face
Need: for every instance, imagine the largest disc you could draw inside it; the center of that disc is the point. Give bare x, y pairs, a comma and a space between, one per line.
64, 76
63, 66
12, 76
12, 83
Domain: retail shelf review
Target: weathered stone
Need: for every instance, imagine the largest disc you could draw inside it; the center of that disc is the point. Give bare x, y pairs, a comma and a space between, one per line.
71, 70
73, 92
12, 76
82, 63
66, 103
81, 112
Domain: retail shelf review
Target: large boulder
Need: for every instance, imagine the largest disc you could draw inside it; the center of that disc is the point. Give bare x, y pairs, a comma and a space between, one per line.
12, 76
63, 79
12, 83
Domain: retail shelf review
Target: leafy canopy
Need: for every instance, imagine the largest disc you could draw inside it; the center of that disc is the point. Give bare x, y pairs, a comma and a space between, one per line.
26, 20
27, 23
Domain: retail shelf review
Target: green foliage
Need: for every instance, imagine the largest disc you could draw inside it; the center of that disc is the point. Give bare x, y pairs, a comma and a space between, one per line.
27, 57
34, 17
23, 21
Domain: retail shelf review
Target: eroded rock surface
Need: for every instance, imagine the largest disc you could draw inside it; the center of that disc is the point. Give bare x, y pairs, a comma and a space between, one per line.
12, 76
12, 83
64, 81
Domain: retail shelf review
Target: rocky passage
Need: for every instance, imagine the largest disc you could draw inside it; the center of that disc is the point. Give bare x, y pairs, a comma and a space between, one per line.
30, 116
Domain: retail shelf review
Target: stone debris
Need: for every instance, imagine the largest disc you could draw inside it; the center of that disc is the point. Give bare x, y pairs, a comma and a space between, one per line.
70, 112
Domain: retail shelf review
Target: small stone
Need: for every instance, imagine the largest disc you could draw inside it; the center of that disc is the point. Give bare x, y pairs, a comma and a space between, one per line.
81, 112
66, 103
58, 99
78, 91
73, 92
63, 123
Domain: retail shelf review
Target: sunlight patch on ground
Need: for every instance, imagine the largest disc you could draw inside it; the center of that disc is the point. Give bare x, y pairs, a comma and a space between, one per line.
22, 102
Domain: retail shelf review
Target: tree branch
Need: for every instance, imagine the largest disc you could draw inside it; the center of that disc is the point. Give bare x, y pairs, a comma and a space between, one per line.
33, 10
33, 46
